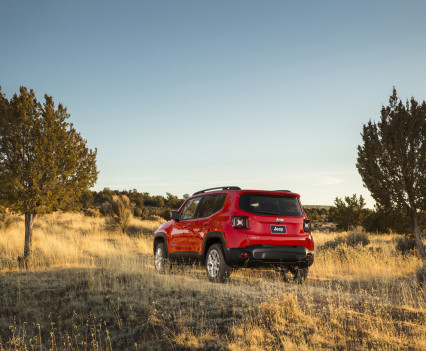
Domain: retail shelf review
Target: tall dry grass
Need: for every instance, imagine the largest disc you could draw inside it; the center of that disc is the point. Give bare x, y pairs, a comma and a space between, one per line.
73, 240
88, 288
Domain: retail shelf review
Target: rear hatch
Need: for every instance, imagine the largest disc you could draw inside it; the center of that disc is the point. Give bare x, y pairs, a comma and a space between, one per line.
273, 218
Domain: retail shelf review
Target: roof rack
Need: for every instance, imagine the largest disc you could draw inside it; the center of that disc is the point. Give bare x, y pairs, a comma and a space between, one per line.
218, 188
284, 191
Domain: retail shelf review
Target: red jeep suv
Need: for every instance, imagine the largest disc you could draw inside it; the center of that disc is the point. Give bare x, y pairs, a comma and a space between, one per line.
226, 228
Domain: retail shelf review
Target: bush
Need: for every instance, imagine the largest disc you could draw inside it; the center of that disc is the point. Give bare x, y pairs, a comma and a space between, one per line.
421, 274
137, 212
351, 239
386, 221
119, 209
92, 212
354, 239
6, 221
348, 213
165, 213
332, 244
134, 230
405, 245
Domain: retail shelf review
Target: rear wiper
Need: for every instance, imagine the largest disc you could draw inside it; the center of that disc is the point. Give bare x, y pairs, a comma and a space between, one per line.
267, 212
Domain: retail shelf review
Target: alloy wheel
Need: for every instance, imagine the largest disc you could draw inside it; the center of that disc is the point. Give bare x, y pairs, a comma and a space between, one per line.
159, 259
213, 263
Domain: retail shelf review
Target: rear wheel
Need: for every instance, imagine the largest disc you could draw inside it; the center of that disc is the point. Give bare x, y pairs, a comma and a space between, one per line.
217, 269
161, 262
294, 274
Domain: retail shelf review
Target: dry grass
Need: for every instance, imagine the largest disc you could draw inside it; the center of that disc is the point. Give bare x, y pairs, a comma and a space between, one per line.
88, 288
73, 240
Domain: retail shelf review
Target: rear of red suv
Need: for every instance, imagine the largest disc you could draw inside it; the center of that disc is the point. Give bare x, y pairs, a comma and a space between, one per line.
278, 231
250, 228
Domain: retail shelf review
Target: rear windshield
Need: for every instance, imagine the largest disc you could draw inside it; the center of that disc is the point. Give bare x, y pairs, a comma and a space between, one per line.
270, 205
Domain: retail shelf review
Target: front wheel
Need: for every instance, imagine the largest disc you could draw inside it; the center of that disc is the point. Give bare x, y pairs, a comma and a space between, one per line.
161, 262
217, 269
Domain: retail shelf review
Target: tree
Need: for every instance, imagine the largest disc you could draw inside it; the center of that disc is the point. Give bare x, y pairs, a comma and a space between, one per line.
172, 201
392, 160
348, 213
45, 164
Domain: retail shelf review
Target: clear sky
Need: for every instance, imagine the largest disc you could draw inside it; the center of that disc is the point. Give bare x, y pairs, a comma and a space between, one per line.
184, 95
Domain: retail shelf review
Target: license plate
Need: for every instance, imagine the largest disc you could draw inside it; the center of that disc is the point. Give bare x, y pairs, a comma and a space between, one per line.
278, 229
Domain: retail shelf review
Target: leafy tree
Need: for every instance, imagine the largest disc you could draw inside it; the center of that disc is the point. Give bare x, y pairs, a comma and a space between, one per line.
348, 213
172, 201
103, 195
391, 160
86, 199
155, 201
314, 214
45, 164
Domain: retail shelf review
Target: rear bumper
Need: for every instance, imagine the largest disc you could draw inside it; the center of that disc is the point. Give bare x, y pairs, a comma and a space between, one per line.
270, 255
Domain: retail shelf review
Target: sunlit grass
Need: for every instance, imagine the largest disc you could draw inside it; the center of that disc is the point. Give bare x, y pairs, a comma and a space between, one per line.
88, 288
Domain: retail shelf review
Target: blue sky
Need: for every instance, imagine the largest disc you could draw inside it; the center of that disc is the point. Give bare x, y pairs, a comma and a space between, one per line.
184, 95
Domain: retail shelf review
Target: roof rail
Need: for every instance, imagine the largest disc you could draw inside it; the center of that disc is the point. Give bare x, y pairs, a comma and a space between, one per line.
218, 188
284, 191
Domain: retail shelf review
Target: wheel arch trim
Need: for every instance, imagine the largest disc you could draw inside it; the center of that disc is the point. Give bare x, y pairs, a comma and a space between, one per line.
221, 237
161, 237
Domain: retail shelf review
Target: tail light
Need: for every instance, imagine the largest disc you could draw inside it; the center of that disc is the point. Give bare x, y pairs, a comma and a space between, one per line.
239, 222
244, 255
307, 226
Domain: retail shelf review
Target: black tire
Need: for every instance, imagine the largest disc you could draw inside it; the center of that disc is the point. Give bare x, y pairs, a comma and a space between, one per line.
218, 271
161, 262
294, 274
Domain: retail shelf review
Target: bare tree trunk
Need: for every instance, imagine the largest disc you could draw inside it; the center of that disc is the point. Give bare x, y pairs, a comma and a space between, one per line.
29, 219
416, 229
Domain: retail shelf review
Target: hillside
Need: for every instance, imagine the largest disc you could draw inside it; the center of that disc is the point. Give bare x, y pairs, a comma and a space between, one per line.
90, 289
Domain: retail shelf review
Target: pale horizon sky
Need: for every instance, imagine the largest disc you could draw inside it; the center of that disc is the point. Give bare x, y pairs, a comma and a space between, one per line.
178, 96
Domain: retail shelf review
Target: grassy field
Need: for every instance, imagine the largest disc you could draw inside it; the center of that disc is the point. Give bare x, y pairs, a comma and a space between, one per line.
90, 289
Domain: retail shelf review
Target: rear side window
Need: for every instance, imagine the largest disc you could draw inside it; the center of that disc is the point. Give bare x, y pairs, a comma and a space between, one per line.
270, 205
210, 204
188, 212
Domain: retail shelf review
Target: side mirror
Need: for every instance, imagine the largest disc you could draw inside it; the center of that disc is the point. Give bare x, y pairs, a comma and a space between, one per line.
174, 215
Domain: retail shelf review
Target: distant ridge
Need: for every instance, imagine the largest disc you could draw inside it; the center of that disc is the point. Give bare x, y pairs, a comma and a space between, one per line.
317, 206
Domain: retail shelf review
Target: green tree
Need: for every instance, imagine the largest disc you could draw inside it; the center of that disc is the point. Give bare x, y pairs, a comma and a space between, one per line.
391, 160
45, 164
348, 213
173, 202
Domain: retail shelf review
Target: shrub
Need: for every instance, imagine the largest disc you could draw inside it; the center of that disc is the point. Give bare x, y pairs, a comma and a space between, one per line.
421, 274
134, 230
332, 244
119, 209
137, 212
141, 212
348, 213
354, 239
92, 212
351, 239
6, 221
405, 245
165, 213
156, 218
